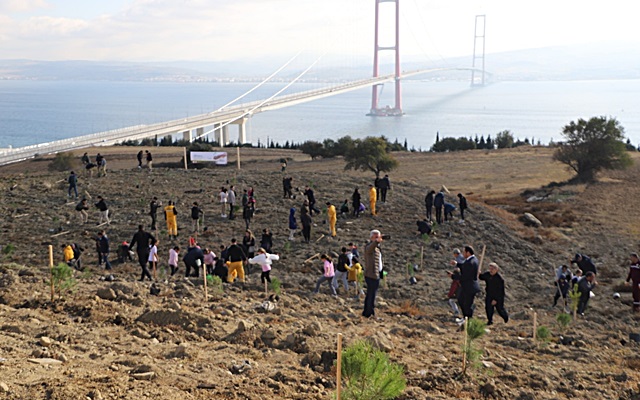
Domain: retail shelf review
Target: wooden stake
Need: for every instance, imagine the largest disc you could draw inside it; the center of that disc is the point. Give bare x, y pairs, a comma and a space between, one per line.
238, 156
51, 269
204, 274
104, 223
421, 256
535, 325
464, 346
184, 151
60, 234
481, 260
320, 238
312, 257
339, 368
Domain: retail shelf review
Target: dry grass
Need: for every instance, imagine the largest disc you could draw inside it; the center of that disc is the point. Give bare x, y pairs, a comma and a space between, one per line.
408, 308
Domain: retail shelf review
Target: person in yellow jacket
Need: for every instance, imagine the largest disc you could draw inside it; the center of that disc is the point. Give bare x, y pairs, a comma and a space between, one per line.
354, 270
68, 253
333, 218
170, 214
372, 199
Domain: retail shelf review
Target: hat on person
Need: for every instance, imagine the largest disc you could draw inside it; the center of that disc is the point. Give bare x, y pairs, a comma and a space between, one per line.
192, 242
634, 255
576, 257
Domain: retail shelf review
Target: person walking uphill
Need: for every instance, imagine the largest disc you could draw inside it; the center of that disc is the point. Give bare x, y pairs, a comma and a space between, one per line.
327, 275
171, 216
355, 203
462, 204
139, 157
372, 272
153, 212
196, 213
142, 240
468, 282
149, 158
104, 211
333, 218
236, 258
428, 202
495, 293
584, 263
372, 199
293, 226
384, 185
265, 260
73, 184
634, 277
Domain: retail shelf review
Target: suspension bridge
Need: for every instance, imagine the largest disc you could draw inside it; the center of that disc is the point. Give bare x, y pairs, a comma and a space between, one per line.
217, 122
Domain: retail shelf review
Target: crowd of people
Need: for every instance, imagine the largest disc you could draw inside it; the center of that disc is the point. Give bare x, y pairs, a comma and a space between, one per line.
229, 261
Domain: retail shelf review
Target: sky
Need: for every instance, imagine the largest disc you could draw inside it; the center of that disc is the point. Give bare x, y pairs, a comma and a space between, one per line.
228, 30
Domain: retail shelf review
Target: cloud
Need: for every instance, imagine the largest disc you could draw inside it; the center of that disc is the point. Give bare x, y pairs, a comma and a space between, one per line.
13, 6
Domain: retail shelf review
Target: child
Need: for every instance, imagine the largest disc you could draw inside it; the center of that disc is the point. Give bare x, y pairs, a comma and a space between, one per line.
153, 255
265, 260
453, 290
173, 259
209, 260
327, 276
354, 270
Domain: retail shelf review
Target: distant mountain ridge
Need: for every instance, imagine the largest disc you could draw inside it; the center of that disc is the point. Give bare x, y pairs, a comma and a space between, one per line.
585, 62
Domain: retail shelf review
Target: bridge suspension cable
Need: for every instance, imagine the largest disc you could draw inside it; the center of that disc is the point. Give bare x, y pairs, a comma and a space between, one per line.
262, 102
259, 84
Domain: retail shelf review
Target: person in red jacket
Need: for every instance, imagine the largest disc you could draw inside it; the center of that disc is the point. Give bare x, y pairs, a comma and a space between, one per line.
453, 290
634, 277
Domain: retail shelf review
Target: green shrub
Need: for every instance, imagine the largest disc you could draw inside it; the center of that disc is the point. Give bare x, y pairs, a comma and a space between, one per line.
574, 295
215, 285
8, 249
63, 280
543, 333
563, 320
475, 328
369, 374
62, 162
276, 286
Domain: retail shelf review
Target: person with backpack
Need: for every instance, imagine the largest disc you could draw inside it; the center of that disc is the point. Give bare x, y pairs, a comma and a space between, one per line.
342, 270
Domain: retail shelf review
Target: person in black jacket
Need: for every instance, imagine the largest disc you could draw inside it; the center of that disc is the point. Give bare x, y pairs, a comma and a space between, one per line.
236, 258
305, 218
77, 252
153, 212
196, 213
384, 185
585, 264
438, 203
585, 285
193, 259
101, 205
495, 293
468, 282
142, 240
103, 248
463, 205
341, 271
312, 200
428, 202
355, 203
139, 157
266, 241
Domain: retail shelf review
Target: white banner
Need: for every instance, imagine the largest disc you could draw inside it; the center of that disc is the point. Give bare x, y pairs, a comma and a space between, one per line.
219, 157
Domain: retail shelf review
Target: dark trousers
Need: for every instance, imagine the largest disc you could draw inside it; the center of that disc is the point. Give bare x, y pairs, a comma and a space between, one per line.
312, 208
154, 218
439, 215
104, 258
429, 212
499, 307
465, 299
636, 295
187, 270
143, 260
582, 303
265, 276
174, 269
306, 233
231, 215
370, 298
558, 294
462, 214
383, 195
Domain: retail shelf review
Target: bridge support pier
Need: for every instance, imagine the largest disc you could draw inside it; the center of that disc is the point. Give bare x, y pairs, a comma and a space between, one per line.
187, 135
242, 130
200, 132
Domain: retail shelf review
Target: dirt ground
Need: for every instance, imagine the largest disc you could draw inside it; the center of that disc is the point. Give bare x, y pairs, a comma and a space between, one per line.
114, 340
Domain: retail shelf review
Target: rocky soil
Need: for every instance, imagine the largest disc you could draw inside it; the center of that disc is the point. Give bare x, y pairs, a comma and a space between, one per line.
114, 340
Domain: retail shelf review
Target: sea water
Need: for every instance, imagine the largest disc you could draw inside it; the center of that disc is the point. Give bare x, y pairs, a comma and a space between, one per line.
41, 111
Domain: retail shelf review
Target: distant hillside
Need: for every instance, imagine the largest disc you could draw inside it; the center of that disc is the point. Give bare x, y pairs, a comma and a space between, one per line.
599, 61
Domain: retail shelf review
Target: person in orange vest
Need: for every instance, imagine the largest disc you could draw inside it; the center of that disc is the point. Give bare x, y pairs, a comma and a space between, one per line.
333, 217
372, 199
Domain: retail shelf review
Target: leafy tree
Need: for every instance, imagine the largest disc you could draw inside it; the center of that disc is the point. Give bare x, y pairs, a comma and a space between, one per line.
504, 140
592, 146
370, 154
343, 146
313, 149
453, 144
369, 374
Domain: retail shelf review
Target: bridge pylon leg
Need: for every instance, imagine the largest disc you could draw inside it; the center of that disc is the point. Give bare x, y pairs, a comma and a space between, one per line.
187, 135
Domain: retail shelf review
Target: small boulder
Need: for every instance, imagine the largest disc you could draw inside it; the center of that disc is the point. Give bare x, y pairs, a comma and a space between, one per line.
107, 294
4, 388
530, 220
44, 341
312, 329
381, 342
